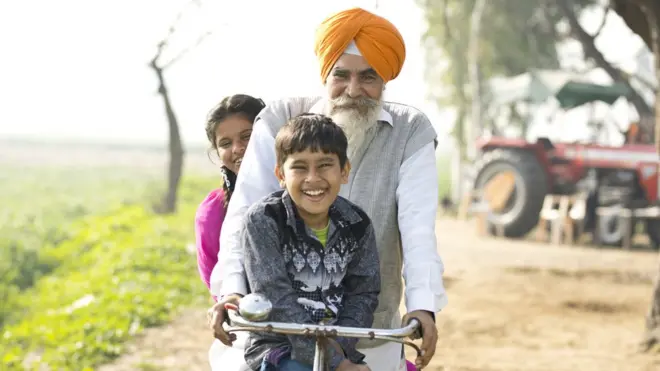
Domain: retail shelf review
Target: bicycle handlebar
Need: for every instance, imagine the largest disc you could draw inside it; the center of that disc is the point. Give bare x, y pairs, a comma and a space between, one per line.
254, 310
241, 324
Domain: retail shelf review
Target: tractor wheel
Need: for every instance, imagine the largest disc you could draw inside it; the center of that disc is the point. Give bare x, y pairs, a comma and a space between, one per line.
653, 231
521, 212
610, 230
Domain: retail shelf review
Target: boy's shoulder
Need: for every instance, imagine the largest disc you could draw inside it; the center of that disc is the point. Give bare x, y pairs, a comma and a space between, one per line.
351, 211
270, 206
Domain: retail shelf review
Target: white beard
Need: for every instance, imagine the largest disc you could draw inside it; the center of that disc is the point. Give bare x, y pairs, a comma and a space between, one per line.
358, 123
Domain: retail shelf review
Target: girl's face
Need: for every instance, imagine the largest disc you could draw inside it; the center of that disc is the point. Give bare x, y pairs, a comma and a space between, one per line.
231, 138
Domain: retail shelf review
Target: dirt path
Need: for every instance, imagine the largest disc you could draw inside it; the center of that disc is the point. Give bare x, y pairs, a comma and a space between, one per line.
513, 306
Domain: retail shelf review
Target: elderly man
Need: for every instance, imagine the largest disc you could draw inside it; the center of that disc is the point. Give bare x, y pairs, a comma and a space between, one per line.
393, 178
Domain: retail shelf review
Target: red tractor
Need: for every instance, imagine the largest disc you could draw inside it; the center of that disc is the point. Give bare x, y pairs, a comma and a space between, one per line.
626, 176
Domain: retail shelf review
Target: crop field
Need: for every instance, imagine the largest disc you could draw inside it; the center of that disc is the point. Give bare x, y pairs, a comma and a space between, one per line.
84, 262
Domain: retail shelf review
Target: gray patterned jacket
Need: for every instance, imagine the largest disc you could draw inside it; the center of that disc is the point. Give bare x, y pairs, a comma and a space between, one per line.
308, 283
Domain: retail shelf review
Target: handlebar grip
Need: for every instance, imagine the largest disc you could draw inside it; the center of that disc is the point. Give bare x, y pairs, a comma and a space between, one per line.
419, 333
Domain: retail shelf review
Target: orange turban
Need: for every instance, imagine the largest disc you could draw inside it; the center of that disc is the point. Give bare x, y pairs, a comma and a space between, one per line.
376, 38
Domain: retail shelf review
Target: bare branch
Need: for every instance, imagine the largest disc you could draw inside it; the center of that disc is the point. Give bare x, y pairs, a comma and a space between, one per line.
476, 124
186, 50
170, 31
445, 19
647, 84
178, 18
606, 12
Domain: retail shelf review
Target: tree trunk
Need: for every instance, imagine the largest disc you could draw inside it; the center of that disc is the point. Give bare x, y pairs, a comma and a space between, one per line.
476, 127
652, 338
458, 177
653, 16
653, 318
175, 146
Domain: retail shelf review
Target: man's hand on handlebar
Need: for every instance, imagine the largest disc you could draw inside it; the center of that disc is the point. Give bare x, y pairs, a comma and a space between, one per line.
429, 335
217, 315
347, 365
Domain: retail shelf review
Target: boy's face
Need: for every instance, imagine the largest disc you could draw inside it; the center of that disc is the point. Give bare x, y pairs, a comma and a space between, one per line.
313, 180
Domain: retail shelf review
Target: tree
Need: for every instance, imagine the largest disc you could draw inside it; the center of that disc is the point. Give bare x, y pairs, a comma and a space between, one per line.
515, 36
590, 51
643, 18
475, 73
175, 145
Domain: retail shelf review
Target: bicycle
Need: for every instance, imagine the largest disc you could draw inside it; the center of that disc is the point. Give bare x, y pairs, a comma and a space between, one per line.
254, 310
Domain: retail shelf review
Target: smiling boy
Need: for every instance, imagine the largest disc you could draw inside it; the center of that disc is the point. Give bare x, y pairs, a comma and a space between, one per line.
311, 252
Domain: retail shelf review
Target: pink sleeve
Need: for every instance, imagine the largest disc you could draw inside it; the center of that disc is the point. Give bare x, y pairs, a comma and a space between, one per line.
208, 222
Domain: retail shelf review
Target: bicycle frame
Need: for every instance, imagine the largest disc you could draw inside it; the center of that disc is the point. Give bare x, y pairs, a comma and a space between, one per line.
323, 333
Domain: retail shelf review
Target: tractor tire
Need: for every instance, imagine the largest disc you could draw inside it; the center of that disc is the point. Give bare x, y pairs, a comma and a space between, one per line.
521, 214
610, 229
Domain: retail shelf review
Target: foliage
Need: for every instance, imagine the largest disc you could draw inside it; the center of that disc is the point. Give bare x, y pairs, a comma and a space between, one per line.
116, 274
444, 165
515, 36
43, 207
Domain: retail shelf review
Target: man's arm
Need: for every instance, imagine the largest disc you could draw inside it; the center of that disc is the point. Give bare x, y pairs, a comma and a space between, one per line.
255, 180
362, 286
417, 200
267, 275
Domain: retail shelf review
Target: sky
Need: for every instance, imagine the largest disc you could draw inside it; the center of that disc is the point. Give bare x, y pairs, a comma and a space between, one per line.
76, 69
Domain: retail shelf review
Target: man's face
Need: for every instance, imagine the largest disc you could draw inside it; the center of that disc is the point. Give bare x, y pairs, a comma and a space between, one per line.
354, 93
313, 180
353, 77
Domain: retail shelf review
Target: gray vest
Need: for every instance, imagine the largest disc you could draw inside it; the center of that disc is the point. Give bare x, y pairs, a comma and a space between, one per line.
372, 185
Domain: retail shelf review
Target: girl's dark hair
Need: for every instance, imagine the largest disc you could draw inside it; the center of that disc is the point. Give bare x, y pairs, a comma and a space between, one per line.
243, 105
238, 104
312, 132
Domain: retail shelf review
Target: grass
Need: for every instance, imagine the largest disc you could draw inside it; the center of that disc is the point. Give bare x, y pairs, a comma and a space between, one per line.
43, 207
85, 264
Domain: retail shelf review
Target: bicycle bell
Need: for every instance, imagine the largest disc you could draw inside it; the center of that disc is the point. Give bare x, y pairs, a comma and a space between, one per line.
255, 307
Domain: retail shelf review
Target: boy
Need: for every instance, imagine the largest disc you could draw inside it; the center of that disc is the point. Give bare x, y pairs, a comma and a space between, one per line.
310, 252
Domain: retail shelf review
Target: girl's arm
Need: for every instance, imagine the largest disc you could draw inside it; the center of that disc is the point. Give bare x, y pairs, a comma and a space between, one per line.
208, 222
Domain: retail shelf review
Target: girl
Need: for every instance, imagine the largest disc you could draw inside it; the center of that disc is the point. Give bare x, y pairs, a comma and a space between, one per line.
228, 129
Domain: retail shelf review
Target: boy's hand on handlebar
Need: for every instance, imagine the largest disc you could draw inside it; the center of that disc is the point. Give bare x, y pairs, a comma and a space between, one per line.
347, 365
429, 335
217, 315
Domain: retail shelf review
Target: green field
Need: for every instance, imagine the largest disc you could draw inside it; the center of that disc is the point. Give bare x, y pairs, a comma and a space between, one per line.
85, 264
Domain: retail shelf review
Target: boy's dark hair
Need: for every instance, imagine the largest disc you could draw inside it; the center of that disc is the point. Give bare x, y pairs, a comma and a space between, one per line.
313, 132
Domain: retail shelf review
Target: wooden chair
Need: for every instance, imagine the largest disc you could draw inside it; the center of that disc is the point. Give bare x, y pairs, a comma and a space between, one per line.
576, 218
554, 211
